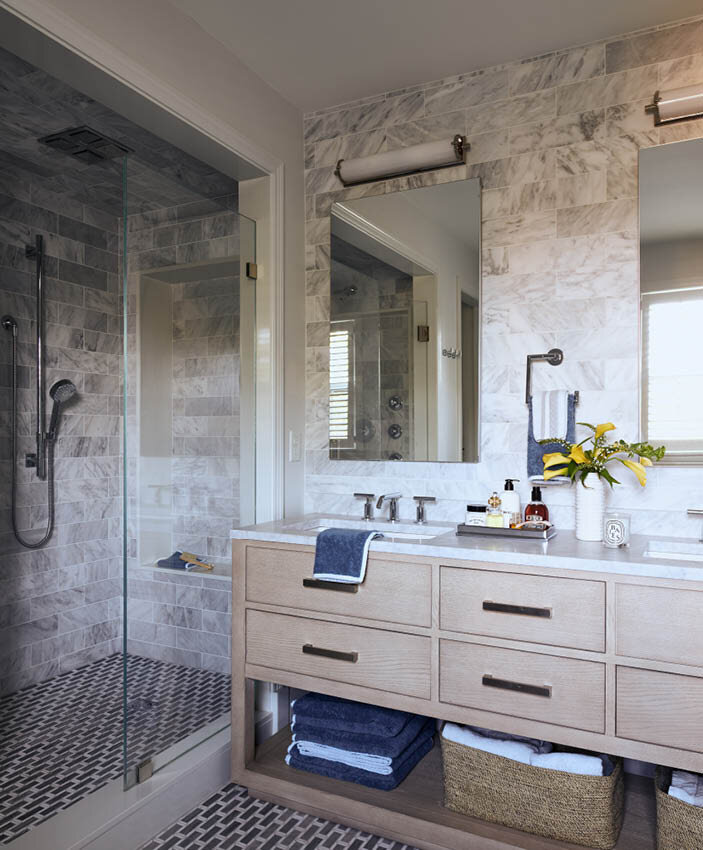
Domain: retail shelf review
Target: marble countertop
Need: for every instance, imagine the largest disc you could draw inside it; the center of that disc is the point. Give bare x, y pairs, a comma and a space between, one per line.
563, 551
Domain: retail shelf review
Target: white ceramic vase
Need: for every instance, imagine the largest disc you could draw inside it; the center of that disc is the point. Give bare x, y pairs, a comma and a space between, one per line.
590, 506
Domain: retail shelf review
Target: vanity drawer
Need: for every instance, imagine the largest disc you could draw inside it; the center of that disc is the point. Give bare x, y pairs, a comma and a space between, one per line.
392, 591
538, 609
357, 655
564, 691
659, 624
660, 708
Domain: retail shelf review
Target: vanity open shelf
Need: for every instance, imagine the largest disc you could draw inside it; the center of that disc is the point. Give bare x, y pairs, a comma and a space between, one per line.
418, 801
606, 658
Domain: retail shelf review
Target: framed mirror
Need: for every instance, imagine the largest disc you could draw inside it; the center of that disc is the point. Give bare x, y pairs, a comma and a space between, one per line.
405, 292
671, 299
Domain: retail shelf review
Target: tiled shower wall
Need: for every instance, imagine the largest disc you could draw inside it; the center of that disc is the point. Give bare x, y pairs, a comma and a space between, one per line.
186, 619
60, 605
555, 141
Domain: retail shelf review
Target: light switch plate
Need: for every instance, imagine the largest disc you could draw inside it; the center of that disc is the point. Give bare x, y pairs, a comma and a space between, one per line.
294, 446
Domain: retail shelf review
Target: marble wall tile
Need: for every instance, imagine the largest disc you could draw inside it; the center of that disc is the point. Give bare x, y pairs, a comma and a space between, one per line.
558, 70
658, 46
557, 154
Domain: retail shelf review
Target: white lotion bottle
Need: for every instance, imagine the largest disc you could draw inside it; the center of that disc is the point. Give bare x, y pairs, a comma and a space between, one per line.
511, 503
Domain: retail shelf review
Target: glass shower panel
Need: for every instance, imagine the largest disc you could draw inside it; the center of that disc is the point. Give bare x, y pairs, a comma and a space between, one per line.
189, 473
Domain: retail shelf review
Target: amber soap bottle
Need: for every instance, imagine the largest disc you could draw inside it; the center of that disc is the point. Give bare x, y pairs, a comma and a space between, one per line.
536, 510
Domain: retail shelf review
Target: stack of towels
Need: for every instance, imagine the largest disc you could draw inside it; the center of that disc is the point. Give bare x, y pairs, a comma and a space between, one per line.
687, 787
528, 750
367, 744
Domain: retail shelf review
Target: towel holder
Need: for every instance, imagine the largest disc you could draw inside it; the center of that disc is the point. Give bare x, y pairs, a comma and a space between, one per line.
555, 357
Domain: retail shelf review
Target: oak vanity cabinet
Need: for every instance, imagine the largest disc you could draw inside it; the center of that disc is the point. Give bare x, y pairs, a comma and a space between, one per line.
611, 663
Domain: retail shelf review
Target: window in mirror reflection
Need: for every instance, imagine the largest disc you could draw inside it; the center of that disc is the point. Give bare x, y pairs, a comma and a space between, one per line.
671, 297
404, 325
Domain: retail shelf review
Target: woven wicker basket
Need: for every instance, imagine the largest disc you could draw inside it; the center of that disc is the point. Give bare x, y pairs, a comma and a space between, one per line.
583, 810
679, 825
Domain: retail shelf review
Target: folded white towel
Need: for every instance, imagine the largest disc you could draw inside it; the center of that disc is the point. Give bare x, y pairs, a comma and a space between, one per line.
550, 414
520, 751
569, 763
364, 761
687, 787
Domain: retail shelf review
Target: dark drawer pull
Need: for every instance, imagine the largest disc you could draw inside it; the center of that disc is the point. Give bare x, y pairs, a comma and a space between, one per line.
520, 687
339, 586
525, 610
309, 649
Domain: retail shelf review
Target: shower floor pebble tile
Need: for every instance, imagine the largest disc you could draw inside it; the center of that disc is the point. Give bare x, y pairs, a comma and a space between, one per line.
62, 739
231, 820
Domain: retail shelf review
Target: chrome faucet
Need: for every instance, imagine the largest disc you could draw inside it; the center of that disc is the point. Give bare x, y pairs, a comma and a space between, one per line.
392, 498
368, 505
696, 512
421, 517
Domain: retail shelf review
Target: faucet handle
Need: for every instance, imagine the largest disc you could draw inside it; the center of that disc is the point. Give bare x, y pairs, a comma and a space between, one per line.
368, 504
422, 499
695, 511
420, 518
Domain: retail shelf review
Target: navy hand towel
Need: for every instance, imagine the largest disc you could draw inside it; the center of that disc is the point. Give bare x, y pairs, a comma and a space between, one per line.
344, 715
383, 782
536, 451
358, 742
341, 554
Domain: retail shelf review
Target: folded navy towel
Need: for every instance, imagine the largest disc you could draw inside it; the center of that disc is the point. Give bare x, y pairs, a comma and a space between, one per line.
341, 554
345, 715
358, 742
335, 770
173, 562
536, 451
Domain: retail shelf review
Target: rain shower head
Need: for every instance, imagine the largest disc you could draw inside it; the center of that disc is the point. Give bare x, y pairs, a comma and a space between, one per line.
60, 392
85, 144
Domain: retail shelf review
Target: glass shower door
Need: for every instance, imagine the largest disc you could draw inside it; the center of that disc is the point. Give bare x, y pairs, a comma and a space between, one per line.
189, 288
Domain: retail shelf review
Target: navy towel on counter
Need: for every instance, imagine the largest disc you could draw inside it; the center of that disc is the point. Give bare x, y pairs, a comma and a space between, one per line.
333, 714
341, 554
383, 782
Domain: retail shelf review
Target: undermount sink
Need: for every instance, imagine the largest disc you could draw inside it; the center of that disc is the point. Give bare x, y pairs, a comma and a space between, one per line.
390, 531
674, 551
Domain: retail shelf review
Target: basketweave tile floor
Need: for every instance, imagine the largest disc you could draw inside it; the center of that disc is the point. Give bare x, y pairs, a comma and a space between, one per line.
231, 820
60, 740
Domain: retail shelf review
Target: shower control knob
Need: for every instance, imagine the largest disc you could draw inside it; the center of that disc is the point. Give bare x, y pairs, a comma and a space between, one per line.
395, 402
395, 432
30, 461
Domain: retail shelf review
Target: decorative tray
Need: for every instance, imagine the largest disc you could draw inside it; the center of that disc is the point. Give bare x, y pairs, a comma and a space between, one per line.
514, 533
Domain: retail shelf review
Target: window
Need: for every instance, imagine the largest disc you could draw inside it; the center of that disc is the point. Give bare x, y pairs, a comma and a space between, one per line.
672, 370
340, 381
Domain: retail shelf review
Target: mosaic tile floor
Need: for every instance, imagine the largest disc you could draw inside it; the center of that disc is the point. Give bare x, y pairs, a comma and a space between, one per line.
231, 820
62, 739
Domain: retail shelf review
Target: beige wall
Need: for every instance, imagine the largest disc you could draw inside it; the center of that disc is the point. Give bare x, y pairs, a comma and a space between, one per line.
171, 46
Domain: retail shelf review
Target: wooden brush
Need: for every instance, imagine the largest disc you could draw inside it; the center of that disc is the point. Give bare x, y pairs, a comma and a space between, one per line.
193, 559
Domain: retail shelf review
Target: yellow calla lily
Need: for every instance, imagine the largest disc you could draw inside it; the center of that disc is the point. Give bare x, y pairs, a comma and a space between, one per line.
637, 468
602, 429
645, 461
552, 473
578, 454
554, 458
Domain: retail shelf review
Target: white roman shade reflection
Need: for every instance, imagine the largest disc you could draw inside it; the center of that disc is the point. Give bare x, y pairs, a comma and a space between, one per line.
672, 369
340, 380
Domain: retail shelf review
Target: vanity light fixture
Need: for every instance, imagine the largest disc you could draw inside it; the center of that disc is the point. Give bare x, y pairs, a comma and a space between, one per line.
680, 104
424, 157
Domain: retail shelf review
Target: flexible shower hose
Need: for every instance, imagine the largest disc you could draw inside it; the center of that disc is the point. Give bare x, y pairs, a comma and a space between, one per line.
50, 464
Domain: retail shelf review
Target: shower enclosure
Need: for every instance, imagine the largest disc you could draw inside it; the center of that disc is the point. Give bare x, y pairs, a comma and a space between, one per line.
128, 293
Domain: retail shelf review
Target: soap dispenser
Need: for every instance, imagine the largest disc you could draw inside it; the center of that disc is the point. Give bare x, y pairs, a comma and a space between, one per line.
494, 517
511, 504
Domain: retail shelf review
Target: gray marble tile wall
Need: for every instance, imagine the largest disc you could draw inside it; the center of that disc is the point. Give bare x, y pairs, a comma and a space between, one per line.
555, 140
185, 619
60, 605
181, 619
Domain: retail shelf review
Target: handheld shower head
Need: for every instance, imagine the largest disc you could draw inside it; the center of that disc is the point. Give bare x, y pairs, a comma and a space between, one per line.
60, 393
8, 322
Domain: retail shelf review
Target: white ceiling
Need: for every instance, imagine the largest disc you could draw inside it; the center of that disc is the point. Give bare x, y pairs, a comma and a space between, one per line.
320, 53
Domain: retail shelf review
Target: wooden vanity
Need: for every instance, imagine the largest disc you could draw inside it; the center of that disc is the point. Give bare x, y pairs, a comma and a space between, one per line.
606, 661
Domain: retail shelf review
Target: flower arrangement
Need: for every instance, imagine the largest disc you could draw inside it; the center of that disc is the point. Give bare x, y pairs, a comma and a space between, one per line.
578, 462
